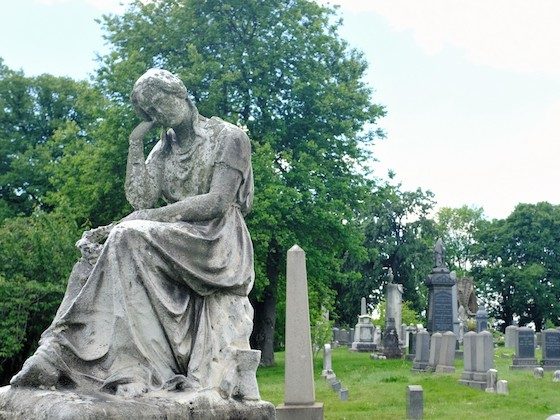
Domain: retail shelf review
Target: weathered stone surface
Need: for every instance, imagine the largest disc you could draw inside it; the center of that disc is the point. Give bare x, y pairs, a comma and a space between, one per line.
414, 402
435, 348
327, 361
556, 376
502, 387
440, 294
481, 320
299, 386
491, 380
35, 404
422, 356
551, 349
394, 307
538, 373
159, 299
510, 336
524, 349
446, 359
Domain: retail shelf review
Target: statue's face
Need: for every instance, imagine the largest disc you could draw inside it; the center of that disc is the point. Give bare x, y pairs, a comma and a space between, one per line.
167, 110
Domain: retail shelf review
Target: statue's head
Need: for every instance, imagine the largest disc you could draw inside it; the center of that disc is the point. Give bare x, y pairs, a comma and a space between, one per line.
161, 96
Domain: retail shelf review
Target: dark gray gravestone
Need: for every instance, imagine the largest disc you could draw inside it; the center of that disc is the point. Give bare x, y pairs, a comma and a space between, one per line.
524, 349
551, 349
440, 296
414, 402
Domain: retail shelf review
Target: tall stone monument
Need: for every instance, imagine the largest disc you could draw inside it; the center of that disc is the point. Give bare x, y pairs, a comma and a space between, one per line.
440, 294
393, 298
299, 386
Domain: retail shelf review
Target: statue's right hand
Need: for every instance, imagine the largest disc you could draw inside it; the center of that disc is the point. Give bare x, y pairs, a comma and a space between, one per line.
140, 131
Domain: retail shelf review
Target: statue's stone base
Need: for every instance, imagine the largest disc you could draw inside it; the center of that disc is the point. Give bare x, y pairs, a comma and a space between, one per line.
31, 404
300, 412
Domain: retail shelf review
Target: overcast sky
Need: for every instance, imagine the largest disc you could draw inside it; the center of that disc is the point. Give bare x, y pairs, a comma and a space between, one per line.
472, 88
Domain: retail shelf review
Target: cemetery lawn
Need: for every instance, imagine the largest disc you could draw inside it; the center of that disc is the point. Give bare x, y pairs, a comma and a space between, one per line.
377, 390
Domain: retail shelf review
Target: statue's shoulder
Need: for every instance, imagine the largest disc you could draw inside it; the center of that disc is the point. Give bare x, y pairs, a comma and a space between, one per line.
223, 128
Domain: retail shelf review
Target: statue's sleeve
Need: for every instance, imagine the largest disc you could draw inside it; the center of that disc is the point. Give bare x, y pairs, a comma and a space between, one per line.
234, 151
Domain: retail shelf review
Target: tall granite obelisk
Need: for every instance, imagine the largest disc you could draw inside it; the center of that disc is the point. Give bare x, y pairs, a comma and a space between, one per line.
440, 294
299, 385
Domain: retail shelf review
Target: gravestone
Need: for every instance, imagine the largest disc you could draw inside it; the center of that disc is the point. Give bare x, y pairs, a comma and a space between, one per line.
481, 320
414, 402
391, 346
502, 387
404, 337
484, 355
363, 306
455, 307
344, 337
394, 304
435, 348
327, 362
551, 349
299, 386
478, 356
538, 339
446, 360
343, 394
524, 349
538, 373
510, 336
336, 385
469, 358
364, 335
440, 294
411, 343
556, 376
422, 356
491, 380
335, 335
351, 335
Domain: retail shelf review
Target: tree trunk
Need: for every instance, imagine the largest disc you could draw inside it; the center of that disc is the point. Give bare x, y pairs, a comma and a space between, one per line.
265, 312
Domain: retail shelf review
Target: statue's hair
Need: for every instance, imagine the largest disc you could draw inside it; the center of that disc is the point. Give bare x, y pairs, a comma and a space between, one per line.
152, 83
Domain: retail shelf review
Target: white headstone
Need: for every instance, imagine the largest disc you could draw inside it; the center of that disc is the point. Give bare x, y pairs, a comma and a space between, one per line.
502, 387
491, 380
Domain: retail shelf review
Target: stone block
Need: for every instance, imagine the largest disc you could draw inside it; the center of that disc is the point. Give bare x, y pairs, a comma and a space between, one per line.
414, 402
502, 387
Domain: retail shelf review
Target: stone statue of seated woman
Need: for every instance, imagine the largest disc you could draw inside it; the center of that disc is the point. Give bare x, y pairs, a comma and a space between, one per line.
158, 300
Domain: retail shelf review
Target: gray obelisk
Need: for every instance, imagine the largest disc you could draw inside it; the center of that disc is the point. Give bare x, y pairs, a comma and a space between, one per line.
299, 386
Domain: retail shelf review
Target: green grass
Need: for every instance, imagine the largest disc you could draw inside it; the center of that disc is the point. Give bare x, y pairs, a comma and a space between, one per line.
377, 390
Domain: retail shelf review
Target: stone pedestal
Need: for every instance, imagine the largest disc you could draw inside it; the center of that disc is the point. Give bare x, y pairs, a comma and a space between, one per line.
299, 412
364, 334
35, 404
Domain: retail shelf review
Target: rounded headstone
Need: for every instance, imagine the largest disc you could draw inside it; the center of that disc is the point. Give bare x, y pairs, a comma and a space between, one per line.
538, 372
556, 377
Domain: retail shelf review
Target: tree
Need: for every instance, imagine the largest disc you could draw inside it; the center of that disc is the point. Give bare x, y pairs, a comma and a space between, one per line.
36, 255
517, 264
398, 235
280, 69
457, 227
32, 111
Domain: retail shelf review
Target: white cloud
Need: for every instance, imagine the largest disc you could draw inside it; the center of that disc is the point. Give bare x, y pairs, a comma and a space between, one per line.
514, 35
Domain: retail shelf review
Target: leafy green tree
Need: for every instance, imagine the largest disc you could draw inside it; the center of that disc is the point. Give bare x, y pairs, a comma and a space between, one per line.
399, 235
517, 264
36, 255
280, 69
32, 111
457, 228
